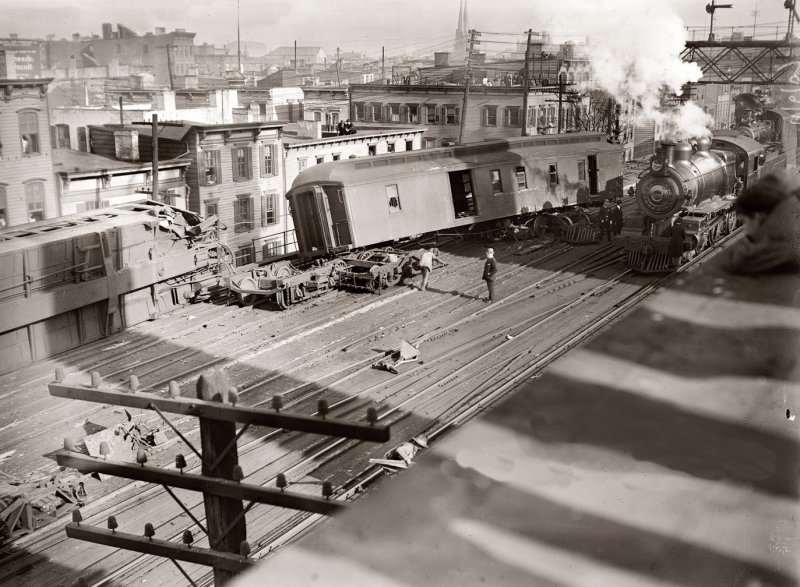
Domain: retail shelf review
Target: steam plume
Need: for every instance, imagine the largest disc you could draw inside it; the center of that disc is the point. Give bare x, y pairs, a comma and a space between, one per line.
634, 47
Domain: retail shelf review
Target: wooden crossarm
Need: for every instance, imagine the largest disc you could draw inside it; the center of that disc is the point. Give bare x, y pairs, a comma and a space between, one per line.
225, 412
200, 556
202, 483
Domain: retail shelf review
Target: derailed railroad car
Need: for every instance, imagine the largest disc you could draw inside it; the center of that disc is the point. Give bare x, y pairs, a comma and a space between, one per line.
364, 202
67, 281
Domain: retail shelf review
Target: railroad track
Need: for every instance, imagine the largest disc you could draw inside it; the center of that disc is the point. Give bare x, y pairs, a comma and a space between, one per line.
305, 395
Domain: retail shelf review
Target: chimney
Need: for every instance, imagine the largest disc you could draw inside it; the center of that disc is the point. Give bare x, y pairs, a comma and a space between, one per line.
126, 144
13, 36
441, 59
160, 30
106, 30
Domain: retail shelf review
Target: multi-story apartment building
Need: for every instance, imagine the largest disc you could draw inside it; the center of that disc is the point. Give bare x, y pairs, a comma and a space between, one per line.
27, 190
236, 174
492, 112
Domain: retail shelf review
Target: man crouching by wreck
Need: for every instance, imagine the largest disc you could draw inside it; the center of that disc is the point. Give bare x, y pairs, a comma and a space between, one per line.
770, 211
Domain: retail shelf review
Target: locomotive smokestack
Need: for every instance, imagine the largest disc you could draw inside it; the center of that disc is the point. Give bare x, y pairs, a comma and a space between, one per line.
668, 149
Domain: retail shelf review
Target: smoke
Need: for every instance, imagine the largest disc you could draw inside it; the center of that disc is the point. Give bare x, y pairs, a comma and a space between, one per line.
634, 47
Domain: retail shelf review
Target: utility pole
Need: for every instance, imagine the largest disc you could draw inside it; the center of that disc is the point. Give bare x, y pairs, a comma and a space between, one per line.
711, 9
525, 84
121, 118
467, 78
295, 56
169, 67
383, 64
156, 198
560, 100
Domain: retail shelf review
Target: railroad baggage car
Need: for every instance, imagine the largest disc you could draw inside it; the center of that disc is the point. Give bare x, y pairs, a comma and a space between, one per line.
362, 202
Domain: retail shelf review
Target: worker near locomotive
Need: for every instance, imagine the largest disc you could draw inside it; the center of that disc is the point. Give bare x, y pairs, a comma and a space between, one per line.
697, 181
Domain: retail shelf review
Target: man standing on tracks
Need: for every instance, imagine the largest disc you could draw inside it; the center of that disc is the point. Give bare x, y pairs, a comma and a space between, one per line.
426, 266
605, 221
489, 270
616, 218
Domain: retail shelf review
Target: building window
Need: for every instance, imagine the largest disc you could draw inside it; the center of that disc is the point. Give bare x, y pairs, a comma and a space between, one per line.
212, 167
268, 166
582, 170
359, 111
393, 198
244, 255
390, 147
552, 171
497, 183
512, 116
489, 116
412, 113
212, 208
60, 138
431, 115
243, 213
29, 132
269, 213
522, 179
372, 149
450, 114
34, 196
86, 206
271, 249
3, 219
302, 164
337, 156
240, 157
430, 143
83, 145
321, 159
410, 145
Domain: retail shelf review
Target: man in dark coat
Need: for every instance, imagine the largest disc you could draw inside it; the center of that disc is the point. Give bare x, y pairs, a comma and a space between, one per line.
616, 218
605, 221
677, 234
340, 128
489, 270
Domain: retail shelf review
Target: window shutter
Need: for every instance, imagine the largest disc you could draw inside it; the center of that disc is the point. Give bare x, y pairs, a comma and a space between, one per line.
263, 211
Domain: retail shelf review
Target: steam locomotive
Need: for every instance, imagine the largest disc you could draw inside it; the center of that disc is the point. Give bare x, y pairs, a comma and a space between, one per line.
698, 181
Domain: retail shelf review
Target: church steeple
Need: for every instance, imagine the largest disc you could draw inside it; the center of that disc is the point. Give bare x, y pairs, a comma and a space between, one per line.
462, 32
463, 21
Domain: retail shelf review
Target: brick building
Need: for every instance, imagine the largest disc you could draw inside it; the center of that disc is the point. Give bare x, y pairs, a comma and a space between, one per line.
167, 56
27, 189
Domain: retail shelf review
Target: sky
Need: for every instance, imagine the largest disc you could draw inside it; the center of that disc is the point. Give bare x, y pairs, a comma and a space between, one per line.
356, 25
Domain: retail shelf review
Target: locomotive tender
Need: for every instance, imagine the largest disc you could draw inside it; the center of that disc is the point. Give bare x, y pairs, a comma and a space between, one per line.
363, 202
698, 181
74, 279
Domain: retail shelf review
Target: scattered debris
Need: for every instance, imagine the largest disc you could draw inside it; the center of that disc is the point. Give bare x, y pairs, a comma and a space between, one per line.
28, 505
406, 354
400, 457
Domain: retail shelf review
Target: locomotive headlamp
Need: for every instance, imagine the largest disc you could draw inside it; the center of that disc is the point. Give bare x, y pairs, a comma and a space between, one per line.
656, 165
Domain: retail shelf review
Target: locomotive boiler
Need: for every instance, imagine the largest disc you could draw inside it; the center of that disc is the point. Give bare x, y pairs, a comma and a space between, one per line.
698, 180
